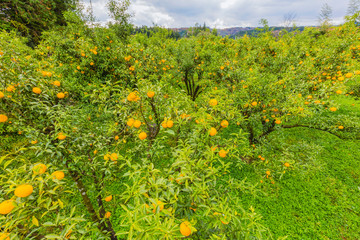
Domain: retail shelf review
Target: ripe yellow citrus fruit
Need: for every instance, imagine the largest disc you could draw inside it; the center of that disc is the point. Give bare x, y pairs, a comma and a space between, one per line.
6, 206
130, 122
151, 94
348, 75
142, 135
114, 156
56, 83
23, 190
224, 123
137, 123
108, 198
278, 121
222, 153
254, 104
341, 127
39, 168
3, 118
1, 94
61, 136
132, 97
213, 102
59, 175
4, 236
159, 204
169, 124
185, 228
36, 90
212, 131
60, 95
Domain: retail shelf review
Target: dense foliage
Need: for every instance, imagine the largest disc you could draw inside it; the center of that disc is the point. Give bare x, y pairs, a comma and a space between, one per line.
135, 138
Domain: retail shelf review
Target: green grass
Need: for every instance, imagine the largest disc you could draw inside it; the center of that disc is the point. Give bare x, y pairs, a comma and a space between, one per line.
318, 197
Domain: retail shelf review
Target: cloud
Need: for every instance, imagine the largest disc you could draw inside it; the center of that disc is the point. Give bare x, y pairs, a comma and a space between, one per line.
225, 13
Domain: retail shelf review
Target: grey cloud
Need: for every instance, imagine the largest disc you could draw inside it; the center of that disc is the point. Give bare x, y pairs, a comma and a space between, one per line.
225, 13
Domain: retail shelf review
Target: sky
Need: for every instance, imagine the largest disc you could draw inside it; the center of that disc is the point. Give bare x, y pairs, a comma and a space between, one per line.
224, 13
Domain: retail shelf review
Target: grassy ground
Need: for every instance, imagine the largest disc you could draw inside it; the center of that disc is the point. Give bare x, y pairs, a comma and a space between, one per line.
318, 197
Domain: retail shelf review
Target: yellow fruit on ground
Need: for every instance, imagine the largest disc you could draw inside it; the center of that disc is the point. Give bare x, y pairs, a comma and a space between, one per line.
213, 131
254, 104
108, 198
339, 92
23, 190
142, 135
222, 153
287, 164
341, 127
137, 123
169, 124
185, 228
36, 90
56, 83
39, 168
224, 123
151, 94
6, 206
1, 94
3, 118
130, 122
59, 175
213, 102
60, 95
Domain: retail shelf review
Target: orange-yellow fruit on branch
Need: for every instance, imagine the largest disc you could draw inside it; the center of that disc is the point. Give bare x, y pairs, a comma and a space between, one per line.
222, 153
142, 135
212, 131
108, 198
169, 124
6, 206
137, 123
39, 168
151, 94
130, 122
59, 175
36, 90
224, 123
213, 102
185, 228
61, 136
3, 118
60, 95
23, 190
4, 236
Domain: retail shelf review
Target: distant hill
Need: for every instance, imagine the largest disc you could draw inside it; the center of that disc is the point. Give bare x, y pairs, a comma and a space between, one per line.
235, 31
